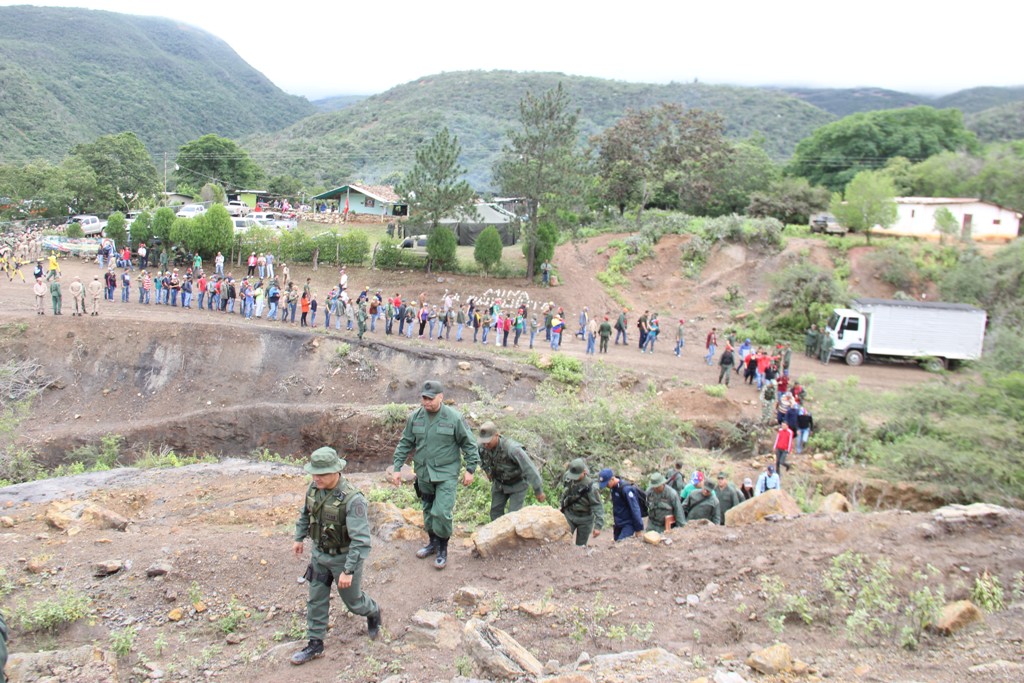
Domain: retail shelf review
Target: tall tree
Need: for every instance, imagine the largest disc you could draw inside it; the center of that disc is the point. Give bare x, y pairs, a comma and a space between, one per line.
488, 248
791, 200
836, 152
540, 162
694, 155
123, 167
869, 201
946, 224
213, 159
433, 186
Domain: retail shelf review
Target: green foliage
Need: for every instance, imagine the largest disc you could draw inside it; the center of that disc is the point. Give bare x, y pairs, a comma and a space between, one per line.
946, 223
783, 604
894, 265
212, 192
567, 370
389, 256
488, 248
715, 390
163, 221
74, 230
18, 465
868, 202
789, 200
211, 158
988, 592
217, 231
105, 456
115, 229
234, 620
353, 247
142, 228
433, 185
52, 614
166, 458
441, 246
835, 153
124, 170
122, 640
395, 415
802, 294
343, 349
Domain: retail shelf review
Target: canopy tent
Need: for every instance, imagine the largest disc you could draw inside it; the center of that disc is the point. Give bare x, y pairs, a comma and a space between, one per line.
468, 229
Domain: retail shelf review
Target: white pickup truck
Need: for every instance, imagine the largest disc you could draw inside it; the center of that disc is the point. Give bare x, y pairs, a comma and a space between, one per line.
92, 226
237, 208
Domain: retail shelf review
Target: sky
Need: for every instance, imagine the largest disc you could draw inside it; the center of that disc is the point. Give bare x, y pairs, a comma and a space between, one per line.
321, 48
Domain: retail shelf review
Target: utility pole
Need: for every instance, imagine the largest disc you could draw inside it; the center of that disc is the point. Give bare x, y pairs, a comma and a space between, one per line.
165, 173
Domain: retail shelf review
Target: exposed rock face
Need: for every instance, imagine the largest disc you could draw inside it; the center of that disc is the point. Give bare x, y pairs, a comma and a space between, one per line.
975, 513
65, 514
536, 524
84, 663
392, 524
775, 502
433, 630
771, 660
835, 503
497, 653
957, 616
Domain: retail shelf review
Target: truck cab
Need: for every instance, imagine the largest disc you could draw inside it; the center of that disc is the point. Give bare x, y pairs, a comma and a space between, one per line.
848, 329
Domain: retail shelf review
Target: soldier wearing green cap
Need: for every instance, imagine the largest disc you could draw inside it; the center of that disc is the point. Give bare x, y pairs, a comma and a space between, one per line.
510, 470
663, 502
581, 503
334, 517
437, 433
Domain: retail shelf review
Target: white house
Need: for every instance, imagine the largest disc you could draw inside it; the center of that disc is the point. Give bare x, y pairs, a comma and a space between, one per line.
979, 220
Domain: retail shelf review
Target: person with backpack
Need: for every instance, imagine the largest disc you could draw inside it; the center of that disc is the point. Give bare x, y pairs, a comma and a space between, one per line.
510, 469
581, 503
767, 481
676, 478
664, 507
629, 504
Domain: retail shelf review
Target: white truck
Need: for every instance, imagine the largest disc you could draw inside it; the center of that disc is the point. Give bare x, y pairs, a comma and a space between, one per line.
934, 333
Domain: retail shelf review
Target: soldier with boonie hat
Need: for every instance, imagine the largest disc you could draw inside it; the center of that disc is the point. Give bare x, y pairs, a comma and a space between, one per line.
664, 507
581, 503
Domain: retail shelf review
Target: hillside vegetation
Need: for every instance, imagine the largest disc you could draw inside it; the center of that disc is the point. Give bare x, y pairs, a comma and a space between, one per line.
70, 75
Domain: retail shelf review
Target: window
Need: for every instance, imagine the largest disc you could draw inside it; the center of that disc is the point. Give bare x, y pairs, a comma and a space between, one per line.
996, 222
913, 212
852, 324
368, 202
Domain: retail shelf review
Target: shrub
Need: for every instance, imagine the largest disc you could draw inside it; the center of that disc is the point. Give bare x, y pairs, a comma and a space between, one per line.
488, 248
115, 229
353, 247
567, 370
441, 246
75, 230
988, 593
715, 390
122, 641
49, 615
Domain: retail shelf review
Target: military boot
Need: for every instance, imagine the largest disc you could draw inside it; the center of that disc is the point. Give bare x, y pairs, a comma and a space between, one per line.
314, 650
430, 548
373, 623
442, 553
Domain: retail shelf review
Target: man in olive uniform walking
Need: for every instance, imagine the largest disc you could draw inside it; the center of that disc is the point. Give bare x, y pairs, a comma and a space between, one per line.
436, 433
702, 503
361, 319
811, 341
581, 503
510, 470
728, 496
663, 502
334, 517
55, 294
826, 344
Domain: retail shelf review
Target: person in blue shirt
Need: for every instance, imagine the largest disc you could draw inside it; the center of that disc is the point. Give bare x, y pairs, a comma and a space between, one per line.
625, 506
767, 481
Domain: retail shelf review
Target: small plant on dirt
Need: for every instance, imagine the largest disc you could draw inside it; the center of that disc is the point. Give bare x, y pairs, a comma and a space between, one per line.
195, 593
698, 662
567, 370
617, 632
784, 603
159, 644
6, 584
590, 621
395, 415
641, 633
403, 496
924, 607
234, 619
1018, 586
50, 615
464, 666
715, 390
988, 593
167, 458
18, 465
342, 350
122, 641
498, 603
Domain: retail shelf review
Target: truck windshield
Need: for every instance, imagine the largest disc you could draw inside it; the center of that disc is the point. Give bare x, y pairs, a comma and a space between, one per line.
833, 321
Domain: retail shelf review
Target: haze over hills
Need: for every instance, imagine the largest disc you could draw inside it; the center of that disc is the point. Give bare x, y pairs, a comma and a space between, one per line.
70, 75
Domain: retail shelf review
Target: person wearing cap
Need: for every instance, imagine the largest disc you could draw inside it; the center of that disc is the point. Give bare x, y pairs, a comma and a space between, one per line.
728, 495
627, 518
581, 503
747, 490
696, 481
95, 289
675, 478
436, 433
77, 296
510, 469
665, 510
334, 517
604, 331
702, 503
767, 481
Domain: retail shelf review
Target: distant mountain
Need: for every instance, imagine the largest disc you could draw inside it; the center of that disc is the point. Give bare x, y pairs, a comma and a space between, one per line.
375, 139
336, 102
70, 75
978, 99
845, 101
998, 124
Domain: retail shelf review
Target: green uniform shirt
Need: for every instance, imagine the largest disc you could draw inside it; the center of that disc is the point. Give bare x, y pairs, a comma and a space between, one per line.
349, 528
660, 505
581, 502
508, 464
437, 440
728, 498
605, 330
699, 506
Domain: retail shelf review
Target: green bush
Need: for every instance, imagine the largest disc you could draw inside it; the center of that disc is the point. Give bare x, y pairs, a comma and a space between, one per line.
567, 370
142, 229
74, 230
441, 248
51, 614
354, 247
388, 255
488, 248
115, 229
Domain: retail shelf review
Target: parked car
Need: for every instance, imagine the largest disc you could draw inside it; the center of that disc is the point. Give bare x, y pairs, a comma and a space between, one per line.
190, 210
273, 219
92, 226
415, 242
826, 223
237, 208
243, 224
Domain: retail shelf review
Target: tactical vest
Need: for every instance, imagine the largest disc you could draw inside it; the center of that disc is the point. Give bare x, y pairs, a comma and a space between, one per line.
504, 468
576, 499
659, 505
327, 525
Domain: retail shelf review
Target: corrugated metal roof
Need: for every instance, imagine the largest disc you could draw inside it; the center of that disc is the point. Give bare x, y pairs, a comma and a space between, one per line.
867, 303
382, 193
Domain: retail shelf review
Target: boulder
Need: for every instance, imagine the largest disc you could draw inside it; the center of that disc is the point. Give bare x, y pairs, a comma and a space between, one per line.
433, 630
536, 608
85, 663
106, 568
771, 660
390, 523
7, 522
497, 653
468, 596
775, 502
64, 514
656, 664
532, 525
835, 503
958, 615
652, 537
159, 569
975, 513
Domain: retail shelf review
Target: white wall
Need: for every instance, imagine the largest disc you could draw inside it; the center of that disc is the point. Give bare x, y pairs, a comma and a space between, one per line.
989, 223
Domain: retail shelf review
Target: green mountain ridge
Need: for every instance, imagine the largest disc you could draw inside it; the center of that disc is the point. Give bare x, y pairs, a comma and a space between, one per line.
70, 75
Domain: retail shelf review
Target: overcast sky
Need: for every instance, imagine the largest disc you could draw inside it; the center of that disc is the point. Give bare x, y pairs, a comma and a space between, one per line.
325, 48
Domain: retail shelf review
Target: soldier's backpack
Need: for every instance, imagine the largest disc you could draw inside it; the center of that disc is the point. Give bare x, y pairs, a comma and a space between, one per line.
641, 499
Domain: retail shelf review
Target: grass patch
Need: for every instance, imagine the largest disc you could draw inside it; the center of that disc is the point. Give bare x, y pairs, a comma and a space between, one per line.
52, 614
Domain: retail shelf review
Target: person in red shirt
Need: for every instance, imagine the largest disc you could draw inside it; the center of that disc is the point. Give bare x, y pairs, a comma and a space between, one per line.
783, 447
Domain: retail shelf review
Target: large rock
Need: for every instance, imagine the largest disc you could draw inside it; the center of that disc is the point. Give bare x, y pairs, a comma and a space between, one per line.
957, 616
835, 503
433, 630
84, 663
775, 502
531, 525
497, 653
975, 513
66, 514
771, 660
654, 664
392, 524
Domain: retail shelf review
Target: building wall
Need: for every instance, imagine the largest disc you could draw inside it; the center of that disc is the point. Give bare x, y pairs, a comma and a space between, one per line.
989, 223
359, 203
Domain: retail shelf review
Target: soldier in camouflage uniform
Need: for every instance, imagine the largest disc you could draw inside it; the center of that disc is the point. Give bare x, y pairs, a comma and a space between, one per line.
361, 316
811, 342
702, 503
581, 503
334, 517
436, 433
510, 470
728, 495
663, 501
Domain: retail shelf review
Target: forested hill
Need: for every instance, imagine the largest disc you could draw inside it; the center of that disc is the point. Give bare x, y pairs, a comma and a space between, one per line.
70, 75
379, 135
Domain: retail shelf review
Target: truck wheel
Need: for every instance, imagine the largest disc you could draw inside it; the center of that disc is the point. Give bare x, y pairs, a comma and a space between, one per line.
934, 364
854, 358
